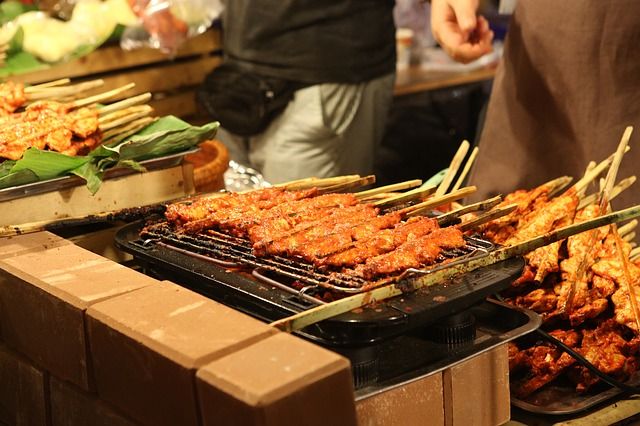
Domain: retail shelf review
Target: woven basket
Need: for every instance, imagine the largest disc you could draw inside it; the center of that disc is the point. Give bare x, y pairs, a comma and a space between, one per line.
209, 165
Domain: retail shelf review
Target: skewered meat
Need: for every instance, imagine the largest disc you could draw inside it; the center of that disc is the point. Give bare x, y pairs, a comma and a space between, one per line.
545, 363
613, 270
305, 233
12, 97
238, 219
182, 212
379, 243
48, 125
414, 253
552, 212
501, 229
608, 351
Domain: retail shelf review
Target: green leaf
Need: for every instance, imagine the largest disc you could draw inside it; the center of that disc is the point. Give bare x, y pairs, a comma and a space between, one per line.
90, 172
47, 164
21, 62
165, 136
20, 177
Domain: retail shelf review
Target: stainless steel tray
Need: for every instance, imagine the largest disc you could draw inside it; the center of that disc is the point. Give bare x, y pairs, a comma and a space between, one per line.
562, 399
65, 182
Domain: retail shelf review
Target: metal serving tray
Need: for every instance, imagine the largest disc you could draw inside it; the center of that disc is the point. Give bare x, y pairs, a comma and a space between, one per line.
560, 398
65, 182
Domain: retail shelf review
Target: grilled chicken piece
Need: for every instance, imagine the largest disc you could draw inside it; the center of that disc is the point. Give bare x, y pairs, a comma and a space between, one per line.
12, 97
239, 223
608, 351
414, 253
379, 243
305, 233
183, 212
545, 363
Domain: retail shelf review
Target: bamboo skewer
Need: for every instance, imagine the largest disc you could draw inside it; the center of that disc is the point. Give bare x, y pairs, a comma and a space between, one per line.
414, 194
466, 169
389, 188
354, 183
479, 206
329, 310
101, 96
54, 83
434, 202
316, 182
634, 254
629, 237
126, 103
488, 217
455, 164
126, 130
63, 91
134, 113
593, 174
620, 187
627, 228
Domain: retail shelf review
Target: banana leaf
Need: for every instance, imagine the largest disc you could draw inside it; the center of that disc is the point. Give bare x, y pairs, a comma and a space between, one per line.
165, 136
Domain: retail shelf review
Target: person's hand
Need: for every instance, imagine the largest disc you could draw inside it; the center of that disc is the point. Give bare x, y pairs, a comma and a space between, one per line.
461, 34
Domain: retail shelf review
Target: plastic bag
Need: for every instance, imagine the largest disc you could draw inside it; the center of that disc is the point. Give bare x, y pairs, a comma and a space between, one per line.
166, 24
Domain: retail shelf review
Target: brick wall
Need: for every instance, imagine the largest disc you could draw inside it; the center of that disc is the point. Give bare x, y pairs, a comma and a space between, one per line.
86, 341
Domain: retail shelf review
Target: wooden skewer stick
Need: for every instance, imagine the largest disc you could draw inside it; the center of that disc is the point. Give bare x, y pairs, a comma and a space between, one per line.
629, 237
355, 183
593, 174
311, 182
329, 310
455, 164
627, 228
389, 188
414, 194
101, 96
479, 206
64, 91
117, 115
634, 254
121, 105
488, 217
466, 169
138, 113
36, 87
620, 187
434, 202
120, 133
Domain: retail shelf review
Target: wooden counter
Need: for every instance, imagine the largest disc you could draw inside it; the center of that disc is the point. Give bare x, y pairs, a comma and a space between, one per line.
415, 79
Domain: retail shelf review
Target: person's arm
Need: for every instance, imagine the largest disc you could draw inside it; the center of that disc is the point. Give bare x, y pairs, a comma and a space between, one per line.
462, 34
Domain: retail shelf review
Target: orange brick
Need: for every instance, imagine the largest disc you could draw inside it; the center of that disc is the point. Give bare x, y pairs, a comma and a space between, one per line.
147, 344
43, 296
282, 380
476, 392
21, 244
22, 391
417, 403
70, 406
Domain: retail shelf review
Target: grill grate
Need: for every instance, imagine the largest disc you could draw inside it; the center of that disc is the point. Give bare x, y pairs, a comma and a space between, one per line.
234, 251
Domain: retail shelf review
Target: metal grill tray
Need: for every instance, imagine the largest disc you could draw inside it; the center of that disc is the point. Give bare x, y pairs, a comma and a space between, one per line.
561, 398
240, 289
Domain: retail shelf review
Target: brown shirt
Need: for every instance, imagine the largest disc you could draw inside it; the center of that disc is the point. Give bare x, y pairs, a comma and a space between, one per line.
568, 86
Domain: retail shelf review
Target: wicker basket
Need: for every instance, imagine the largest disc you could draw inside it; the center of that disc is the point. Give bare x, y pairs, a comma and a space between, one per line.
209, 165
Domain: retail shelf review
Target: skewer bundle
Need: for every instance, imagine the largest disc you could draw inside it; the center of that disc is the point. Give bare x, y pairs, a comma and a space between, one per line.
3, 53
73, 127
585, 288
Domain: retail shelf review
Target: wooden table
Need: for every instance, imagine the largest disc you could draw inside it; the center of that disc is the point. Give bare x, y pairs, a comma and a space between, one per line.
415, 79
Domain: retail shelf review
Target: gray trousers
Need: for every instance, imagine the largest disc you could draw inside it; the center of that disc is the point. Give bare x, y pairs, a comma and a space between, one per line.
326, 130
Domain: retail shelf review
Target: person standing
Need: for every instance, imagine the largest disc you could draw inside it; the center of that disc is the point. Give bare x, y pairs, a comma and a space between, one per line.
568, 85
339, 57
